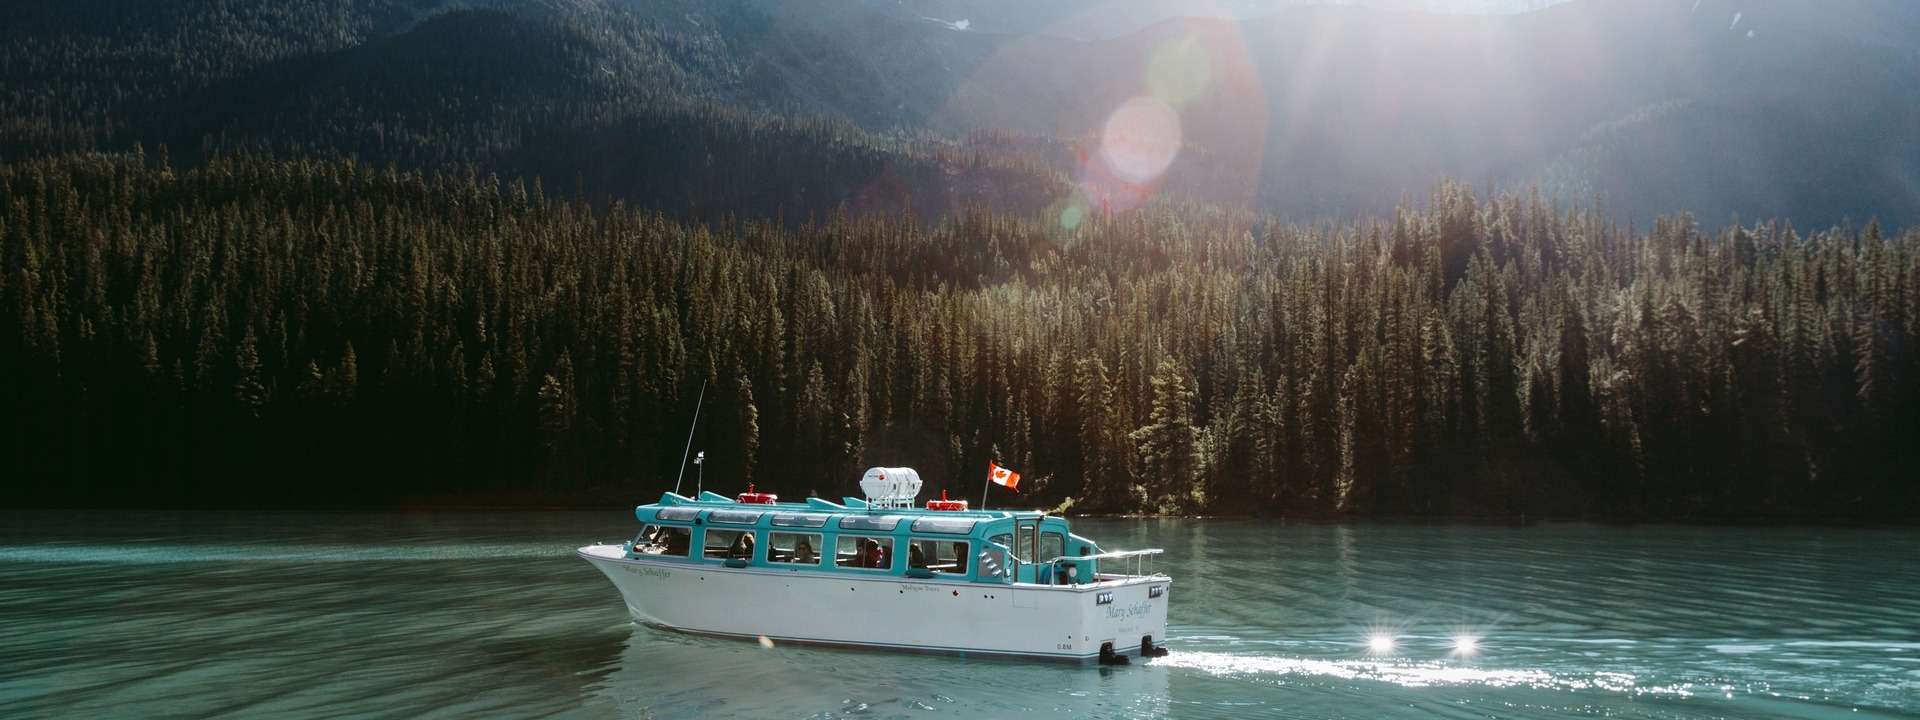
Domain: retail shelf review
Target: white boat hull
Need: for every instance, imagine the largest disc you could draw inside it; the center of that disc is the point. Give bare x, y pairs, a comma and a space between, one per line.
949, 616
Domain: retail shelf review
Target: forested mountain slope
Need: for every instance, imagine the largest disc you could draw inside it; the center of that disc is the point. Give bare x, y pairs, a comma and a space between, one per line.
313, 251
265, 331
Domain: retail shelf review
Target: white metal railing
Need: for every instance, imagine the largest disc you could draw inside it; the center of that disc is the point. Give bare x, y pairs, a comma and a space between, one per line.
1142, 561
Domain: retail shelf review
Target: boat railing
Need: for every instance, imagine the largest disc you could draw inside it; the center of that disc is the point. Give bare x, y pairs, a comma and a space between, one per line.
1140, 560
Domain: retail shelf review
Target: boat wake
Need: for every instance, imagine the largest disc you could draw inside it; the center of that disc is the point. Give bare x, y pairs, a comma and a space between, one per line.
1405, 673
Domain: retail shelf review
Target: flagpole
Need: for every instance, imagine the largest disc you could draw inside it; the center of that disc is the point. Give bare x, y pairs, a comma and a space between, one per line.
983, 491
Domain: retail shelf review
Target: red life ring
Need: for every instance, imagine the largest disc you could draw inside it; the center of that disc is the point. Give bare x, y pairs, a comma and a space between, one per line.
757, 498
947, 505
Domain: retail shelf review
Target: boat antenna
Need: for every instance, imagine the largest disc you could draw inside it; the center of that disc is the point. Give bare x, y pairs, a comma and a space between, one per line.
689, 448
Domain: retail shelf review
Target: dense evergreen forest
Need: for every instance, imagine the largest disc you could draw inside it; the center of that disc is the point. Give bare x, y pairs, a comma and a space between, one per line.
261, 331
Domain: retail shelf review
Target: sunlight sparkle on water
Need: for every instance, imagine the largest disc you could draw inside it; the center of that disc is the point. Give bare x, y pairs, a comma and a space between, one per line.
1406, 674
1380, 643
1465, 645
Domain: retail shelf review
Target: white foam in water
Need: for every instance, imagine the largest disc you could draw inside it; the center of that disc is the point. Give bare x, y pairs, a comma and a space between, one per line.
1404, 673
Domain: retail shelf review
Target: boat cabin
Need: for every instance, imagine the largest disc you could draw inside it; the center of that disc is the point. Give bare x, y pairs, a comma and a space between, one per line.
879, 535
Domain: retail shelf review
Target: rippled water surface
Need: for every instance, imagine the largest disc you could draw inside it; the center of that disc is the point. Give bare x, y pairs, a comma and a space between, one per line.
115, 614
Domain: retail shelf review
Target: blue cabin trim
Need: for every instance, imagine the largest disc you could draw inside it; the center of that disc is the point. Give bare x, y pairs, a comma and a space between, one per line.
1010, 541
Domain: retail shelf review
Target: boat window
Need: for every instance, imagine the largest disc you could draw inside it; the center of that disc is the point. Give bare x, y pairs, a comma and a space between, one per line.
727, 544
941, 555
800, 520
1023, 542
1002, 539
855, 551
1052, 545
734, 517
796, 548
678, 513
945, 526
869, 522
662, 540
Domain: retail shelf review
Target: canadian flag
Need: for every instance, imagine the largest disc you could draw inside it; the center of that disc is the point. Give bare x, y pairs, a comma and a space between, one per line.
1004, 477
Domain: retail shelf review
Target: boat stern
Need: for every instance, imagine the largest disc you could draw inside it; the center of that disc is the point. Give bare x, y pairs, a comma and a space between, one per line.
1126, 618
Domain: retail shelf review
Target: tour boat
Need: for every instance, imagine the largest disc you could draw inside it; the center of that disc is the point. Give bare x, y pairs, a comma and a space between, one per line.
881, 573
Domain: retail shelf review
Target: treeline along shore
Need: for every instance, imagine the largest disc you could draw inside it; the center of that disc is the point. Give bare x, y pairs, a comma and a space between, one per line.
321, 332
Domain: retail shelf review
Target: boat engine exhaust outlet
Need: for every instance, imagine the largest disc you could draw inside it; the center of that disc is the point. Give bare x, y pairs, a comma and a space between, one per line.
1109, 657
1148, 649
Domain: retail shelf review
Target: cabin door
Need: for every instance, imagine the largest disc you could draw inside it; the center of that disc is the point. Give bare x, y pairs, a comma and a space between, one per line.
1026, 547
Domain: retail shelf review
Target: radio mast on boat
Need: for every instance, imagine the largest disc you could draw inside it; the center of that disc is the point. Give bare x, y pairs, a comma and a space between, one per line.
695, 426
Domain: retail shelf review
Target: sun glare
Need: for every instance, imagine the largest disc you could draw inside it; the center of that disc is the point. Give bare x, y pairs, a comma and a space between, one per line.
1380, 643
1179, 71
1465, 645
1140, 139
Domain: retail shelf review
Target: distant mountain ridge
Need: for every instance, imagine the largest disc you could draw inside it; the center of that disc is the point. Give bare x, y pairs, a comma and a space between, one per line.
1765, 108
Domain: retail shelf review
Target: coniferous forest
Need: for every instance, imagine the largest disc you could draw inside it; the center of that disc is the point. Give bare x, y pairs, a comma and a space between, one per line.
259, 330
341, 253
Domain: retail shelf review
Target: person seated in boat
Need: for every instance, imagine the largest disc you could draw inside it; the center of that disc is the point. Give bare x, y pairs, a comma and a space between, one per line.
874, 557
916, 558
803, 552
959, 558
678, 541
742, 547
645, 542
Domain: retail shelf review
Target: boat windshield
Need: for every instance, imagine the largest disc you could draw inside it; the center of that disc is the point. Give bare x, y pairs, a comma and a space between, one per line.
663, 540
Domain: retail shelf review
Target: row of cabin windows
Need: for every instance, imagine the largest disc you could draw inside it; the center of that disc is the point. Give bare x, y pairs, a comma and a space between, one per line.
798, 548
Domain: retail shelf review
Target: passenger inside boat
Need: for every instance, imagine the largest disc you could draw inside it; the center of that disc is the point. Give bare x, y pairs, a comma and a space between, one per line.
938, 555
788, 547
742, 547
864, 552
664, 540
643, 544
723, 544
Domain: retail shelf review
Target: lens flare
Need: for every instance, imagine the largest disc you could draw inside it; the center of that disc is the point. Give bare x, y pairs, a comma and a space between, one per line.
1465, 645
1140, 139
1179, 71
1070, 217
1380, 643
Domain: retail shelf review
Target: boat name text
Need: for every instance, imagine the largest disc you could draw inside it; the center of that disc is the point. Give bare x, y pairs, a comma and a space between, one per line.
1134, 610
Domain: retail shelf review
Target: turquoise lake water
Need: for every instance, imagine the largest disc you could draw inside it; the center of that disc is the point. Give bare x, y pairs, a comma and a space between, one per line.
288, 615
